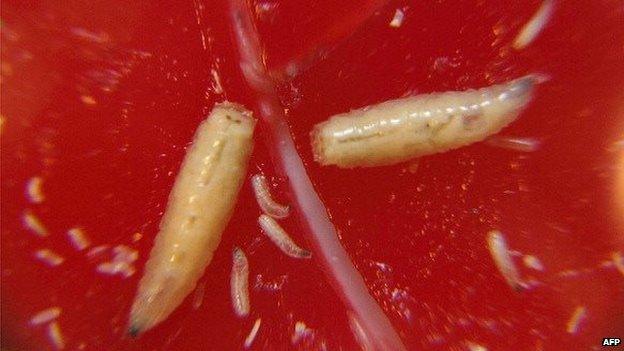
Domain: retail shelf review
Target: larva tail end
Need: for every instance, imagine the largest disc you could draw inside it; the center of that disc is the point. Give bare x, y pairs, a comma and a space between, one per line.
134, 331
305, 254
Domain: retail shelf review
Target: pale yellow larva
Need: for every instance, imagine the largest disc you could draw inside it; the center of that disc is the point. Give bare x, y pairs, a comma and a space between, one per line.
402, 129
239, 283
200, 206
265, 200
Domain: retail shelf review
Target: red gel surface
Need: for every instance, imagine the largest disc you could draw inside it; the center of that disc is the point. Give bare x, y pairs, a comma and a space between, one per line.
100, 99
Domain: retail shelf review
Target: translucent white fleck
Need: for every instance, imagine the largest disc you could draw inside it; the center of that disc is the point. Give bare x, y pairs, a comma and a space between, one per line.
78, 239
534, 27
55, 336
45, 316
397, 19
34, 191
252, 334
198, 297
577, 318
32, 222
49, 257
514, 144
500, 253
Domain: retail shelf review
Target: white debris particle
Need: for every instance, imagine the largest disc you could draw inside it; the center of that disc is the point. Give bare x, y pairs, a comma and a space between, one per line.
116, 268
55, 336
252, 334
514, 144
217, 87
45, 316
472, 346
618, 261
33, 223
34, 191
397, 19
123, 253
500, 253
301, 331
533, 262
577, 318
534, 27
88, 100
49, 257
78, 239
198, 297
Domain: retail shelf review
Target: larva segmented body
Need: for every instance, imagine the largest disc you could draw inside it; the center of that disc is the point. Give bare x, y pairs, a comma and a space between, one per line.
200, 205
265, 200
239, 283
279, 237
398, 130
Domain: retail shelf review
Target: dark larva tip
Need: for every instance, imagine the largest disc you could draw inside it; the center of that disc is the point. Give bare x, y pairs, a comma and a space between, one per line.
134, 331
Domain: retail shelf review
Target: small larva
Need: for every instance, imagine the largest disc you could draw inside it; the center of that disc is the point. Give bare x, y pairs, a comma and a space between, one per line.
500, 253
265, 200
279, 237
402, 129
534, 26
200, 205
514, 144
45, 316
239, 283
56, 336
577, 317
252, 334
78, 239
49, 257
32, 222
34, 191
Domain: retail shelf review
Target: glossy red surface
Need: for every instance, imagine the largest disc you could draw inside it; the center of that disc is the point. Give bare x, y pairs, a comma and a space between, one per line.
100, 99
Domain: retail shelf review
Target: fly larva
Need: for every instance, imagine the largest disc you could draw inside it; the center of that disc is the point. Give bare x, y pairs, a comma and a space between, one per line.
397, 19
279, 237
578, 316
45, 316
33, 190
402, 129
33, 223
502, 259
265, 200
252, 334
49, 257
536, 24
55, 336
78, 239
198, 297
125, 254
514, 144
239, 283
200, 206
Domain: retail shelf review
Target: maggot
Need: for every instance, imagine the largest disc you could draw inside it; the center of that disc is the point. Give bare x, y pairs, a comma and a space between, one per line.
200, 205
279, 237
265, 200
239, 283
504, 263
402, 129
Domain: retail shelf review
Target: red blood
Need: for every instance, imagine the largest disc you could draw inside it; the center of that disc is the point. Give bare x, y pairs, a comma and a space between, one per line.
101, 98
